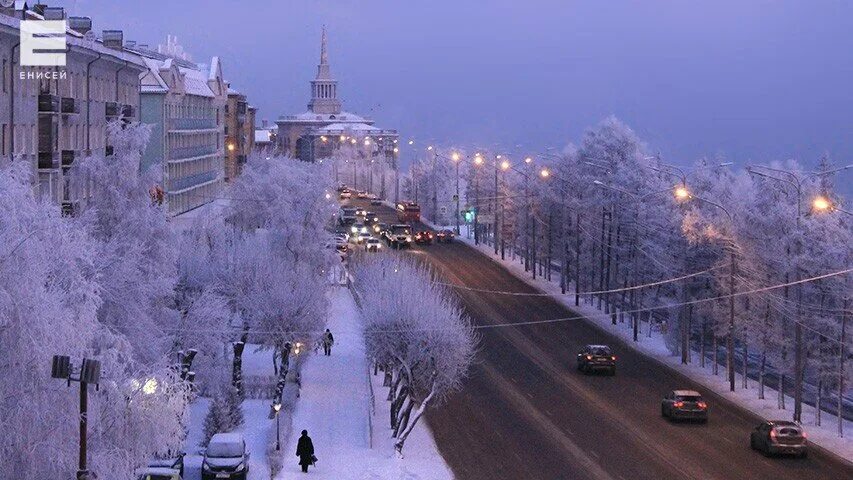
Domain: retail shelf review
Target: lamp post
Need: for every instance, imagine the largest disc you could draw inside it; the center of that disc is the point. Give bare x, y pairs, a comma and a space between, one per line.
277, 408
90, 372
478, 160
455, 157
797, 182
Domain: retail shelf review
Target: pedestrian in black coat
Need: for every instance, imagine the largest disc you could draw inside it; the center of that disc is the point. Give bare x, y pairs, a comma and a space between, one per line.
305, 451
328, 341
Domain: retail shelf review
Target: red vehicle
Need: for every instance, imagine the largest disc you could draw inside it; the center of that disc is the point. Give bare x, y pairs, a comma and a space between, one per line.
408, 212
424, 237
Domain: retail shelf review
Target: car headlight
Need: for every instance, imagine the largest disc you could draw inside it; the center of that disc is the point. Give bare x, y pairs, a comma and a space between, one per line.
205, 466
408, 238
354, 230
240, 467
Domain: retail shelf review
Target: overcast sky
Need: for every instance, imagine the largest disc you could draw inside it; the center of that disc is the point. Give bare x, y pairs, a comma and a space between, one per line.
751, 80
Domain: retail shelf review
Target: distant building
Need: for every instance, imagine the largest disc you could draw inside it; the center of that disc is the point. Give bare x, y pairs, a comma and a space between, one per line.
239, 133
265, 138
51, 117
321, 130
184, 103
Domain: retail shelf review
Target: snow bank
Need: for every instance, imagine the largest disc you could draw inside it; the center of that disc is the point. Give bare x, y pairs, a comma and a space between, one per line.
824, 436
335, 408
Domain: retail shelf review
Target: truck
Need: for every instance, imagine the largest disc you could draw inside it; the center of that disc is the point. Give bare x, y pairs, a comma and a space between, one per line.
408, 212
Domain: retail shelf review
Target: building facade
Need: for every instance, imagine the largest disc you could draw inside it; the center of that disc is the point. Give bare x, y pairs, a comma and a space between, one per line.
185, 105
325, 127
239, 133
51, 117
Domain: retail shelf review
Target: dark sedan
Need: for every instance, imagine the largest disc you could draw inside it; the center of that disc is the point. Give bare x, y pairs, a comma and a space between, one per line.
597, 357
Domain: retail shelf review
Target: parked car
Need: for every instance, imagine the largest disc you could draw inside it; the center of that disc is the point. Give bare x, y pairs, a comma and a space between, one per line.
173, 460
424, 237
596, 357
444, 236
684, 405
158, 473
776, 437
225, 457
372, 244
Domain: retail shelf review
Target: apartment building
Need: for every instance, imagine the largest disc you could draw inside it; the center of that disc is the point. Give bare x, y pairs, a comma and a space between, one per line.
51, 117
239, 133
184, 103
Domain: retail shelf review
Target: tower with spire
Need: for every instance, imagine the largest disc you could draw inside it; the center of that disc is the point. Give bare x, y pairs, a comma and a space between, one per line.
324, 89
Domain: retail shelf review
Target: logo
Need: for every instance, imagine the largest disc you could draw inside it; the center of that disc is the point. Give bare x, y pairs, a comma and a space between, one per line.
43, 43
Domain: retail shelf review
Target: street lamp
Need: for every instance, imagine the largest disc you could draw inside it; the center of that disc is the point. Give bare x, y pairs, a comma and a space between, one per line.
545, 173
682, 193
821, 204
277, 408
90, 372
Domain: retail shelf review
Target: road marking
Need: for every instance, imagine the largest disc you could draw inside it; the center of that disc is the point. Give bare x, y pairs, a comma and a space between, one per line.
548, 428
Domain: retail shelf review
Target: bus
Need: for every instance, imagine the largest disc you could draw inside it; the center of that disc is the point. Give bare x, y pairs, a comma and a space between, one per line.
408, 212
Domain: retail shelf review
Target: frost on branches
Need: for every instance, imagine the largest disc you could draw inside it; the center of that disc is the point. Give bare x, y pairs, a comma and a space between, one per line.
417, 332
57, 297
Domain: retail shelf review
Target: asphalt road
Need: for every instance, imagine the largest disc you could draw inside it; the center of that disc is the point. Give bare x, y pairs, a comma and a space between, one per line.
526, 413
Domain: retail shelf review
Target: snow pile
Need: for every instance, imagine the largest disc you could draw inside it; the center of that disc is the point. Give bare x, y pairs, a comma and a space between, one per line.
335, 408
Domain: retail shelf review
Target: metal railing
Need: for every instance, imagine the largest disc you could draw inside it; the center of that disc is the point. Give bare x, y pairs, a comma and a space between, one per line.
192, 180
181, 153
192, 123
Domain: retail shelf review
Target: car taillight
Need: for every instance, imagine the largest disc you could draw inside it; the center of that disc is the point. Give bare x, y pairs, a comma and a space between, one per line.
773, 435
678, 404
804, 435
589, 357
613, 358
702, 405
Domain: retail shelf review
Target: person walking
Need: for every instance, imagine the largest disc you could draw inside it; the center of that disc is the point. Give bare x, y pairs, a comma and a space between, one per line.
305, 451
328, 341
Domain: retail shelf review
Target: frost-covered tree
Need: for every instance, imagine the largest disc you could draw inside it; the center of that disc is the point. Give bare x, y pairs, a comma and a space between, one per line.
417, 329
51, 293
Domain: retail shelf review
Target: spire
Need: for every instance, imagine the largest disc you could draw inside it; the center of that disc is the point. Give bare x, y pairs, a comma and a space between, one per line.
324, 54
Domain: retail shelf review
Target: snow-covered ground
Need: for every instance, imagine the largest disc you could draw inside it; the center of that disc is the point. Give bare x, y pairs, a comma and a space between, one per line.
213, 209
335, 408
825, 436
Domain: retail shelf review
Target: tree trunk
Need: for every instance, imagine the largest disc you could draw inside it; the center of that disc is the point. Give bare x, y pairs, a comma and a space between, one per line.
403, 421
401, 440
761, 375
714, 366
702, 343
841, 358
577, 259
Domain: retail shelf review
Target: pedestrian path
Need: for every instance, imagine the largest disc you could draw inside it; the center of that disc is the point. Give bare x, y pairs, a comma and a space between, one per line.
334, 408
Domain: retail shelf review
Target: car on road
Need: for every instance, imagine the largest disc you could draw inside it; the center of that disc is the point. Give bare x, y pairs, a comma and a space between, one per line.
173, 460
372, 244
444, 236
370, 218
424, 237
359, 232
400, 235
777, 437
158, 473
361, 194
360, 212
376, 201
347, 215
345, 195
597, 357
225, 457
379, 228
684, 405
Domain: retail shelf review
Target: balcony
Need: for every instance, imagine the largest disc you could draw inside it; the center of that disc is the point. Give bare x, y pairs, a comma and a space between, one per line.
48, 103
112, 109
192, 124
68, 157
46, 161
183, 153
69, 106
128, 111
192, 180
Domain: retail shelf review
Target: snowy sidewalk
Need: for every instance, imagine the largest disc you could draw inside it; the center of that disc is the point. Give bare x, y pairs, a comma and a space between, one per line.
334, 408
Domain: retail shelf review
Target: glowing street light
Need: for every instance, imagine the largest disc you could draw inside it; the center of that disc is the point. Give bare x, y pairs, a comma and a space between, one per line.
343, 138
528, 160
411, 142
277, 408
681, 193
455, 156
505, 165
352, 140
545, 173
821, 204
231, 147
367, 142
396, 150
478, 159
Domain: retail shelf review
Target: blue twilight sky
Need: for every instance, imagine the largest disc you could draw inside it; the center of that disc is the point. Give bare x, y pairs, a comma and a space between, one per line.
752, 80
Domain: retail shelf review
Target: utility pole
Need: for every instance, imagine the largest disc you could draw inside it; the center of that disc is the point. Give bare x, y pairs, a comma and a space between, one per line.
457, 196
434, 188
90, 372
495, 210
